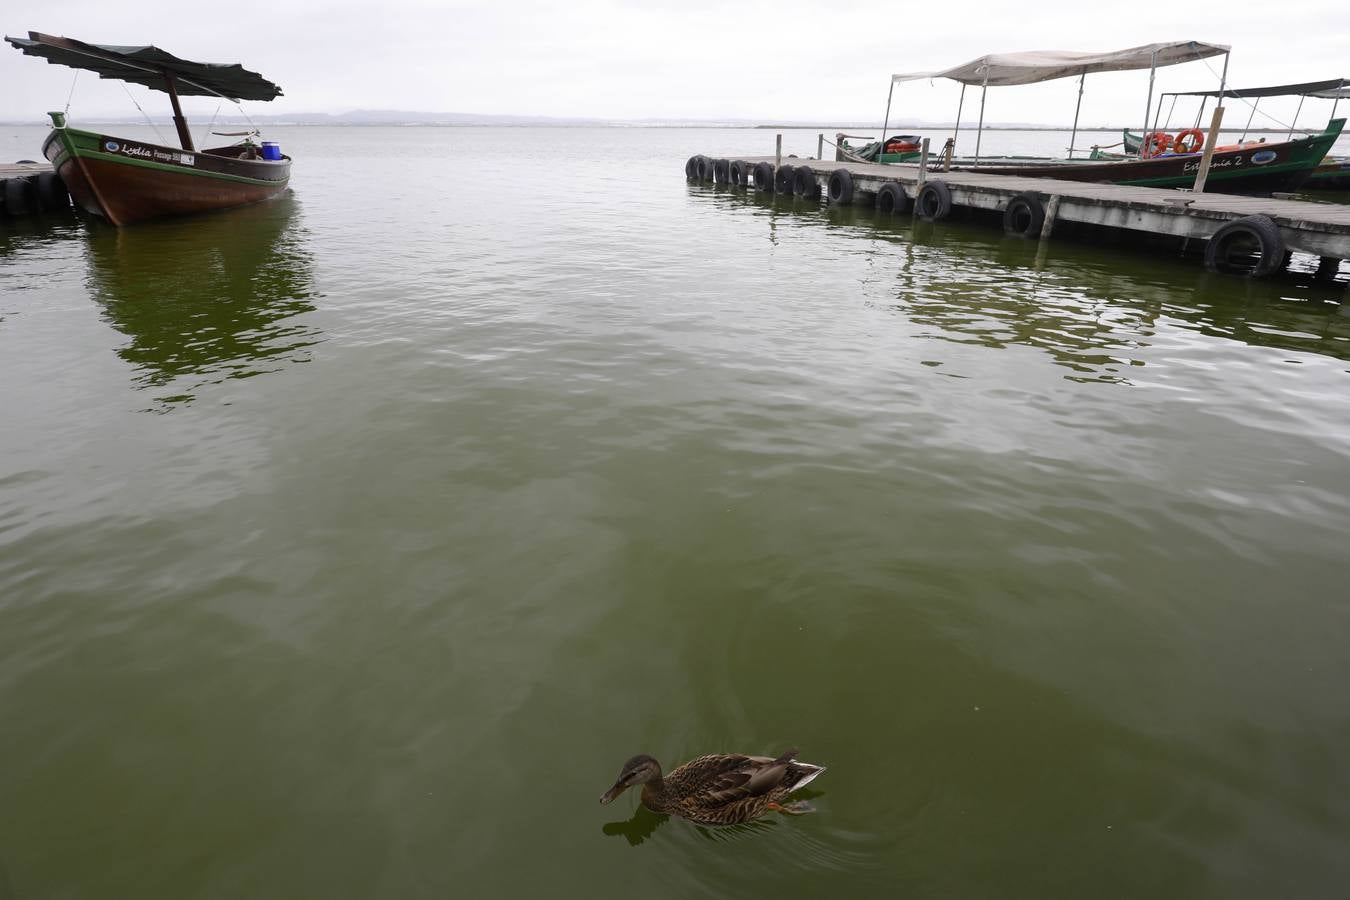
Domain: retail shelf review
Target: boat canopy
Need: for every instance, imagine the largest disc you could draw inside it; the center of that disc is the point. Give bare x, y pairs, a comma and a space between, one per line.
1334, 89
1035, 66
149, 66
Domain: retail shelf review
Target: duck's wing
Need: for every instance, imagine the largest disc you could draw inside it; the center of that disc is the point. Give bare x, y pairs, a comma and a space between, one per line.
729, 778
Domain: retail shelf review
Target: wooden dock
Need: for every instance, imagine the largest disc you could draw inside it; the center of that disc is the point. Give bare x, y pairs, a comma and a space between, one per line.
31, 188
1032, 206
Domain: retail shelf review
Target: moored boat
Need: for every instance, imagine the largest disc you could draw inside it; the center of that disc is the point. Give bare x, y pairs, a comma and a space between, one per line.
124, 180
1240, 169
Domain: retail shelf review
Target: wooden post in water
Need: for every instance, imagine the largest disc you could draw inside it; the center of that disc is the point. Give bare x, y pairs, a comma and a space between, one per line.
1051, 210
820, 146
923, 163
778, 153
1210, 140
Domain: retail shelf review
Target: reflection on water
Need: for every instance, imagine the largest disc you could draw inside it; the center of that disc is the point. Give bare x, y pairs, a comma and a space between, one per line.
1069, 298
637, 829
208, 298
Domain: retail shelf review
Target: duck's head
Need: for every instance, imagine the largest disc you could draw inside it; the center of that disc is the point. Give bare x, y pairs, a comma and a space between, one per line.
638, 770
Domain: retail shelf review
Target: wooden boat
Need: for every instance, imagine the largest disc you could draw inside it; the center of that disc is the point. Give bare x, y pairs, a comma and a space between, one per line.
124, 180
1252, 169
1331, 173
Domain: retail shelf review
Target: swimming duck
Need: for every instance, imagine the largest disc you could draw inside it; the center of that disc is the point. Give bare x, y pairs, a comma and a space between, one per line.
720, 789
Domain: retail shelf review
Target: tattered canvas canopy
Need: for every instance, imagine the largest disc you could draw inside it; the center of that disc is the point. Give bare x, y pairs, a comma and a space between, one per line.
1334, 89
148, 65
1045, 65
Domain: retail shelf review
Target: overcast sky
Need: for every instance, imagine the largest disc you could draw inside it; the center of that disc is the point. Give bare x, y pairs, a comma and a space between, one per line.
805, 61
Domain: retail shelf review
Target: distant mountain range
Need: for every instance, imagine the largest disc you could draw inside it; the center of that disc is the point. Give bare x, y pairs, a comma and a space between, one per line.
399, 117
402, 117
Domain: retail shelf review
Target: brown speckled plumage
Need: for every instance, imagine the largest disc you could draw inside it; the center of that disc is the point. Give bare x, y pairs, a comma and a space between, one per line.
719, 789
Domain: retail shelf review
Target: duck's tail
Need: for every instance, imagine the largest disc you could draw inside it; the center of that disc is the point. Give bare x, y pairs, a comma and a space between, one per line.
804, 774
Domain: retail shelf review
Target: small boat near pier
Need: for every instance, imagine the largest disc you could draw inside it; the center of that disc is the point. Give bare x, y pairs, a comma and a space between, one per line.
123, 180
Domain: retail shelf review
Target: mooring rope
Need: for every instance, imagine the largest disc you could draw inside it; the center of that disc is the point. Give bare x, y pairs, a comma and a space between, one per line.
147, 118
209, 125
1283, 125
71, 95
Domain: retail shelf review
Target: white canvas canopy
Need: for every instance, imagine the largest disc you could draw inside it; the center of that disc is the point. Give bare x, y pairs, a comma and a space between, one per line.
1034, 66
1046, 65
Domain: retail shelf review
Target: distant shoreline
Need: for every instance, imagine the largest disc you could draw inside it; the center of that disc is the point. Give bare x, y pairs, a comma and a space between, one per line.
893, 128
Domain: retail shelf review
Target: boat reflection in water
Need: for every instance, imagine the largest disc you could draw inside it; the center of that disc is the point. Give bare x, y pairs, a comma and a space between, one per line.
209, 298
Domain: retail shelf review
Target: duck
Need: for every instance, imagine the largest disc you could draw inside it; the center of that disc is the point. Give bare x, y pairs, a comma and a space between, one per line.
720, 788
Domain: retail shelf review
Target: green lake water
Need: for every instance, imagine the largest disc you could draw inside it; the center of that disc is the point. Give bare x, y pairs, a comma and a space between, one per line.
349, 543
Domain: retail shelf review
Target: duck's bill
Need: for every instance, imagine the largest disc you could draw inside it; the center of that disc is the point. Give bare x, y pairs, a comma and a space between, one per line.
612, 793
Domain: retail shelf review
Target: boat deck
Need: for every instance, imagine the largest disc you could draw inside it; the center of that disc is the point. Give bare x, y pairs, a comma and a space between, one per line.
1322, 229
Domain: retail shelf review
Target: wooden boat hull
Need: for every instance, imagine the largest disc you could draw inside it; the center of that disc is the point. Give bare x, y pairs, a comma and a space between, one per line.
1260, 169
1254, 169
127, 181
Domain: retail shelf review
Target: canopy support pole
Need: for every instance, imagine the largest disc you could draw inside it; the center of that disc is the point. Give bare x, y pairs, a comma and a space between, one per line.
984, 88
1148, 106
184, 135
960, 103
1294, 123
886, 122
1250, 116
1073, 138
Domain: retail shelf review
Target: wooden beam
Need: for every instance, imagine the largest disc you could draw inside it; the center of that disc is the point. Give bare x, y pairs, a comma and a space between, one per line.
184, 136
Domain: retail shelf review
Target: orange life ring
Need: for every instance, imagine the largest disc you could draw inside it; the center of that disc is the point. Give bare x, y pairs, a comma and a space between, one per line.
1181, 145
1156, 142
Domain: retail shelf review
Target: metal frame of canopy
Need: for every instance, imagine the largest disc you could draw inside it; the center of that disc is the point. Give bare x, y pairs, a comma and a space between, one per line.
1037, 66
1333, 89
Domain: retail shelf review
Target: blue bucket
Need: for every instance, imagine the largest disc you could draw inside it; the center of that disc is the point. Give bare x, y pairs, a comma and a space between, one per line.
271, 150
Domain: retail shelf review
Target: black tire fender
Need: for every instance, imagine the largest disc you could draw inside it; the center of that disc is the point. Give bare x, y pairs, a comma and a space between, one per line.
703, 169
934, 201
740, 174
1024, 215
784, 178
805, 183
720, 173
1224, 252
691, 168
18, 196
892, 199
841, 187
764, 177
51, 192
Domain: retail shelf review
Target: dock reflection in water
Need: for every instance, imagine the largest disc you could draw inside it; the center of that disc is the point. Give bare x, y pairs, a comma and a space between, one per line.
1068, 298
209, 298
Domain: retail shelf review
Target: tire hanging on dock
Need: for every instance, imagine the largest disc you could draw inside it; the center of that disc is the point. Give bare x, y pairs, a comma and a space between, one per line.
892, 199
51, 193
764, 177
740, 174
805, 183
691, 169
1250, 246
841, 187
721, 175
934, 201
18, 196
1024, 215
704, 168
784, 178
